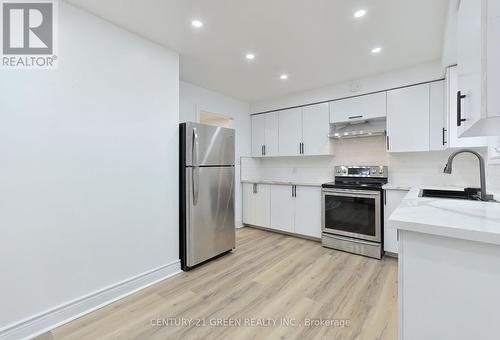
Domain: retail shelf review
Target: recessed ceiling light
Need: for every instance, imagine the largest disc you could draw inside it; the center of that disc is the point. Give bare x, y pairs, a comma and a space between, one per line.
376, 50
197, 23
284, 77
360, 13
250, 56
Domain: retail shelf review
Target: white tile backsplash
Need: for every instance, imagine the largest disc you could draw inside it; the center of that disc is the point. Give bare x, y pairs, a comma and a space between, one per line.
409, 169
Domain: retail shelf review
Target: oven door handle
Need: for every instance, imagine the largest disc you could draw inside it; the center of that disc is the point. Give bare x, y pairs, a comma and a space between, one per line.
348, 192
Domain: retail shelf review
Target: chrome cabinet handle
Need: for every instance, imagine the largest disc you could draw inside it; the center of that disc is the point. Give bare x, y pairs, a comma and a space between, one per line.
354, 117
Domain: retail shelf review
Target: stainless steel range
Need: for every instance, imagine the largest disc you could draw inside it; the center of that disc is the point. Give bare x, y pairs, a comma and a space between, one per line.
352, 210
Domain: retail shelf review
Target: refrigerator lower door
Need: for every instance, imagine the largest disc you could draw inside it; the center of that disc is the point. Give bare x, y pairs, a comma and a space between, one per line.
210, 226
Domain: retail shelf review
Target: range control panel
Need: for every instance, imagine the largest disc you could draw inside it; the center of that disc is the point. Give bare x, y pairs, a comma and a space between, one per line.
361, 171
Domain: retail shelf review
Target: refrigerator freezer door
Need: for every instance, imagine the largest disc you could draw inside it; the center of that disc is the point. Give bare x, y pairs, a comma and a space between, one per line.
210, 225
209, 145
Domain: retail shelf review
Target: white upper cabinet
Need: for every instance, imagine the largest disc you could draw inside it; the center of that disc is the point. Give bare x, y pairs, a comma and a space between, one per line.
408, 120
258, 135
315, 129
290, 132
308, 211
478, 56
358, 108
271, 147
265, 129
452, 139
438, 116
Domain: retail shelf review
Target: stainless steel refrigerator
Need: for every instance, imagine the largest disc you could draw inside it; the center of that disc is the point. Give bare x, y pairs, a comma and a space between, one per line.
207, 225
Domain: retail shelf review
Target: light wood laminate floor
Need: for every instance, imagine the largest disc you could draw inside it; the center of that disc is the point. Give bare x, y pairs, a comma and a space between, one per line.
269, 277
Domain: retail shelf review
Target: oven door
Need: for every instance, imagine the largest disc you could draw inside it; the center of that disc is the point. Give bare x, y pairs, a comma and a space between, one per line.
352, 213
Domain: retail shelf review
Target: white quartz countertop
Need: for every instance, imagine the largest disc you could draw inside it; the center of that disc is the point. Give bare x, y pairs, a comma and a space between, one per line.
462, 219
391, 186
299, 183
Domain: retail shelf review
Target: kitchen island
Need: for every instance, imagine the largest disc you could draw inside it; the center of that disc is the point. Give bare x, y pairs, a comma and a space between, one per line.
449, 268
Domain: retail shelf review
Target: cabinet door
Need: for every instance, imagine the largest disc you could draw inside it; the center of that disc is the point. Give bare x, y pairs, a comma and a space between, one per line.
315, 129
248, 205
469, 58
258, 135
262, 205
358, 108
453, 140
438, 117
290, 132
393, 199
408, 119
282, 208
272, 135
308, 211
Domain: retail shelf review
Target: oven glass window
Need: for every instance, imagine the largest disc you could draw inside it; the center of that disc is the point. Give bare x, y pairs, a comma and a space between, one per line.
350, 214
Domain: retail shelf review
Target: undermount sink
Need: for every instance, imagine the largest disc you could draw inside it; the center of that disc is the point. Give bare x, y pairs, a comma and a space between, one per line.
466, 194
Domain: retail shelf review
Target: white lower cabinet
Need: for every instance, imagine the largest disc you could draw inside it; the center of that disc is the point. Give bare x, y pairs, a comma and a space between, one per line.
308, 211
287, 208
256, 204
282, 207
392, 200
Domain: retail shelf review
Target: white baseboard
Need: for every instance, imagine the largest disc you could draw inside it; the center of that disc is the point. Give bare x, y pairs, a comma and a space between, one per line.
55, 317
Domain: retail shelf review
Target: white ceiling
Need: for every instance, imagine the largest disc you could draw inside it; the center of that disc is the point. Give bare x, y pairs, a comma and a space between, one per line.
316, 42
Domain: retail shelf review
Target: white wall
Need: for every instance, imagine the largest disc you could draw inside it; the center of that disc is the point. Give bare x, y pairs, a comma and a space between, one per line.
194, 99
408, 76
89, 174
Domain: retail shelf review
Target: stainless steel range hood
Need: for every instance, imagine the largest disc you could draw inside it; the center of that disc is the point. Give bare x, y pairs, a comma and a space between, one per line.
360, 129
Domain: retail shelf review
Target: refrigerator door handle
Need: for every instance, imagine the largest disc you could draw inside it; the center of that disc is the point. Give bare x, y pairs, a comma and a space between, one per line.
196, 184
195, 148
